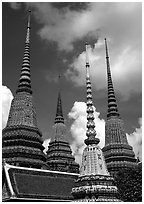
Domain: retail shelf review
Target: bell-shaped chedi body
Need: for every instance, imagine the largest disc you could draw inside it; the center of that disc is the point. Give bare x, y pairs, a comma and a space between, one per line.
21, 138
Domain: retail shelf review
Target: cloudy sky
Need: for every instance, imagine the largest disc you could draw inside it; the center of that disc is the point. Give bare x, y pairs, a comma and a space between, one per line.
58, 35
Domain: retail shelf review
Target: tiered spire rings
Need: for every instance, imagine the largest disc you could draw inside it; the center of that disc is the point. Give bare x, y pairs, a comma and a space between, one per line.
90, 133
112, 106
25, 81
59, 113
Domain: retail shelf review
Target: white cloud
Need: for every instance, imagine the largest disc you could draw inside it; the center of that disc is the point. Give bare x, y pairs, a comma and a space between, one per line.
135, 140
125, 68
63, 26
6, 103
78, 128
46, 144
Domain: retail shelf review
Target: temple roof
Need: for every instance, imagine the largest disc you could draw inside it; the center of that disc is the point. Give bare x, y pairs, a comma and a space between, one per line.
20, 183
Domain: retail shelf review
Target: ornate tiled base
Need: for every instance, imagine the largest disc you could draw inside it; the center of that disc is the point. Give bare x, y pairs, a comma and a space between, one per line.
22, 146
95, 188
60, 158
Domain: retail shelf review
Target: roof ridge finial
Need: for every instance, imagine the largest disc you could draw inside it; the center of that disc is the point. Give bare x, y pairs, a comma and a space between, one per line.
112, 105
90, 133
25, 80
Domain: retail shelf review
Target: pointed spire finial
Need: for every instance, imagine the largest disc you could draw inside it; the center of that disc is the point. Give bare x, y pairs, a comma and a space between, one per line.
59, 80
87, 60
90, 133
59, 113
29, 19
112, 105
25, 80
106, 49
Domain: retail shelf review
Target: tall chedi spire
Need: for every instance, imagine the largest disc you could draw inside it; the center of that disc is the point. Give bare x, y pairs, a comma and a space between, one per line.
94, 182
59, 154
22, 142
118, 153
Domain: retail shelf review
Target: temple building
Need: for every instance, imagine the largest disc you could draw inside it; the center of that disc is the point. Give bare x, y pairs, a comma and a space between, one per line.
59, 154
26, 175
118, 153
94, 183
